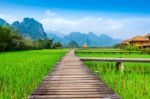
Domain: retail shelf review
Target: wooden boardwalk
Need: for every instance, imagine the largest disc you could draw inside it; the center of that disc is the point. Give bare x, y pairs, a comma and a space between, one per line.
72, 80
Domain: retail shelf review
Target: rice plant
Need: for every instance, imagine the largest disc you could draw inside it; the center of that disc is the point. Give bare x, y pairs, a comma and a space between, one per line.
111, 54
21, 72
133, 84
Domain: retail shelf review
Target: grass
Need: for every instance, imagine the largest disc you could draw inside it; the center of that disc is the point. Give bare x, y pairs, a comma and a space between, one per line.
111, 54
21, 72
98, 49
134, 83
105, 51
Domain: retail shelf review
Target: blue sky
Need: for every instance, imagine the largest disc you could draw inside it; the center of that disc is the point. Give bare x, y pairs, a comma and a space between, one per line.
117, 18
135, 6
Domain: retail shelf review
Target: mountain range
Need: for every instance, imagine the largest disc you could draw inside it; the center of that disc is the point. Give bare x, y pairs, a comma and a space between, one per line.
34, 29
28, 27
90, 39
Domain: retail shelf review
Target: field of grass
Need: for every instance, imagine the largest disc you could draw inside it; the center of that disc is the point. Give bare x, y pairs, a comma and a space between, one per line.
21, 72
99, 49
133, 84
111, 54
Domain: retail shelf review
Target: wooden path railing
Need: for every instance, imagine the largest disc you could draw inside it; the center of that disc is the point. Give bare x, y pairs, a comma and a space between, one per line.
72, 80
108, 52
119, 61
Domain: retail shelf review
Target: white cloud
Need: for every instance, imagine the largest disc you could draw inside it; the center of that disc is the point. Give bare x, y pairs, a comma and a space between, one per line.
9, 18
85, 24
119, 28
49, 13
116, 27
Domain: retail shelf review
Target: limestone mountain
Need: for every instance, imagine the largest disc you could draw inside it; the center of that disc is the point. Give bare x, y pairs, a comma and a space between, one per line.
3, 22
30, 27
90, 39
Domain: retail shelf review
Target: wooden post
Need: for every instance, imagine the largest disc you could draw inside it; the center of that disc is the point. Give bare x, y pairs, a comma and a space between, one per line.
122, 67
104, 69
119, 65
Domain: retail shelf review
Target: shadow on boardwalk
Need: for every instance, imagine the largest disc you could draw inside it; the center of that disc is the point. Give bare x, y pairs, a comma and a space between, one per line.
72, 80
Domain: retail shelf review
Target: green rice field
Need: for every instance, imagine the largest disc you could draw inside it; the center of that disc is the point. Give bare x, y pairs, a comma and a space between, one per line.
111, 54
133, 84
21, 72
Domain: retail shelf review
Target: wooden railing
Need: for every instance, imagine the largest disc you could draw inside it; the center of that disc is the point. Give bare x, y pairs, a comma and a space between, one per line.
84, 51
119, 61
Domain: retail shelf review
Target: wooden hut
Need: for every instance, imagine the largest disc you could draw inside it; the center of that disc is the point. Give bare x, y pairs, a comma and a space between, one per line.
138, 41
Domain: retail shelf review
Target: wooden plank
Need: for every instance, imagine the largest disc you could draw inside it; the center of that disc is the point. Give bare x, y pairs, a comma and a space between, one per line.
118, 59
72, 80
85, 51
74, 96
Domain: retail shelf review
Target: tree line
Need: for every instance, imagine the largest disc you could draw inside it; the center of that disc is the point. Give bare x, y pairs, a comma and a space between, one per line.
11, 39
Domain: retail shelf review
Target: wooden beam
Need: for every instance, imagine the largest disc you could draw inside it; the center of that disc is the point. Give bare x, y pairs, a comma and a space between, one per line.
118, 59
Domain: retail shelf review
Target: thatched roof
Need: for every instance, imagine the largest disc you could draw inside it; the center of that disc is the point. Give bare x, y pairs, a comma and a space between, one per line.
147, 35
126, 41
139, 38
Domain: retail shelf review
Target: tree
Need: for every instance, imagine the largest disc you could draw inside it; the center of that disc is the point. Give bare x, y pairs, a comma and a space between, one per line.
57, 45
5, 38
48, 43
26, 43
40, 44
10, 39
16, 40
43, 43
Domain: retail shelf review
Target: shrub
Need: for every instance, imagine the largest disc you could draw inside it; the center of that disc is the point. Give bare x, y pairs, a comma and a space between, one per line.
131, 48
146, 51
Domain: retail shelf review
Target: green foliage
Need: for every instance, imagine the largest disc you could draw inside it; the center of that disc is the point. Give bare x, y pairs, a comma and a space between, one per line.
47, 44
21, 72
4, 37
117, 46
131, 48
146, 51
111, 53
57, 45
11, 40
44, 43
27, 43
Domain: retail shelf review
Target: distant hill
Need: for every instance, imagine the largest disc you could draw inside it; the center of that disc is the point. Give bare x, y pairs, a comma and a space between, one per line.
28, 27
72, 44
3, 22
55, 36
91, 39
